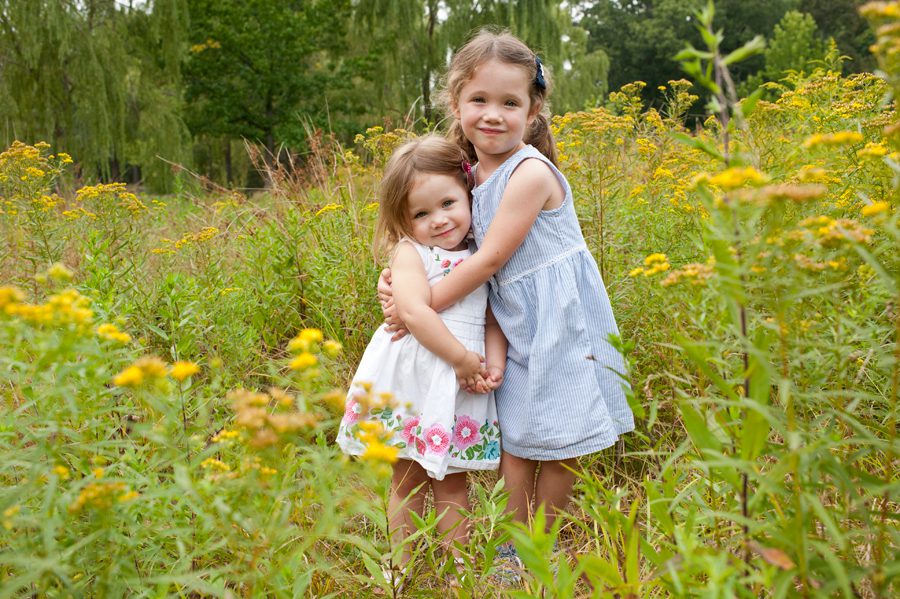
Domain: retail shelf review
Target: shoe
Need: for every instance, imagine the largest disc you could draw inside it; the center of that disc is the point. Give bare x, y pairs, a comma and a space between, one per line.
507, 566
456, 572
396, 578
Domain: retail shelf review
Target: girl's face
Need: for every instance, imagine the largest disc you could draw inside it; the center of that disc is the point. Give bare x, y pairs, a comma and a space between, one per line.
494, 110
438, 211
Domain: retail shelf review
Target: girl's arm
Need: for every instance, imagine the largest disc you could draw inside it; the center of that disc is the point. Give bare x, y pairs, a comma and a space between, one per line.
495, 346
411, 295
530, 189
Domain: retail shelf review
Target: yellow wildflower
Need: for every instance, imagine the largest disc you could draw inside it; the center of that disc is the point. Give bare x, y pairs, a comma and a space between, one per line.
111, 332
303, 361
873, 149
655, 259
152, 367
182, 370
833, 139
332, 348
10, 295
329, 208
214, 464
735, 177
875, 208
61, 471
379, 452
130, 377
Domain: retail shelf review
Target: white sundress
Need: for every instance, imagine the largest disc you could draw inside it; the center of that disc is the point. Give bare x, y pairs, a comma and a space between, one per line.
428, 417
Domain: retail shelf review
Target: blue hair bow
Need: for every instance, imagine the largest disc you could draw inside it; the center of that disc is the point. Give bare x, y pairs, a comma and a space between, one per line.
539, 74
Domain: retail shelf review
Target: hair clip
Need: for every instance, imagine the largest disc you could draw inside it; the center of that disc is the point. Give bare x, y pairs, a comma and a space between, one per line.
539, 74
470, 178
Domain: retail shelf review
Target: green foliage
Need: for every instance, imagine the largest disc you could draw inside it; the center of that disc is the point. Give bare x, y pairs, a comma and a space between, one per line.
255, 66
751, 262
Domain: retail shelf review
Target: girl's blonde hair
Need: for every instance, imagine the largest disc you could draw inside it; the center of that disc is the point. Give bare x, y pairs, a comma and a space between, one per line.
426, 155
506, 48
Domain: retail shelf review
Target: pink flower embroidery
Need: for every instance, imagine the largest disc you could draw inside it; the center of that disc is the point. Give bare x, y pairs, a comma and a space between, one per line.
437, 440
465, 433
445, 263
409, 429
457, 263
352, 411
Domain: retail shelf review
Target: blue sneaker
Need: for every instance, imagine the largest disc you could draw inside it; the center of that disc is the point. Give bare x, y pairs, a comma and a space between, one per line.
507, 566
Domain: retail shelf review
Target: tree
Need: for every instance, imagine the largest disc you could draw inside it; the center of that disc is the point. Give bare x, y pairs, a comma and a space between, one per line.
413, 39
840, 19
63, 77
641, 37
76, 74
258, 67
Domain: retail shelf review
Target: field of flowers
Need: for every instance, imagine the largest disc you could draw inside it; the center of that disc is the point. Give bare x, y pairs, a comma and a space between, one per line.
171, 369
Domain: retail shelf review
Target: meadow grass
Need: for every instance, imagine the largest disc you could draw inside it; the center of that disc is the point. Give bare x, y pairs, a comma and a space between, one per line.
172, 369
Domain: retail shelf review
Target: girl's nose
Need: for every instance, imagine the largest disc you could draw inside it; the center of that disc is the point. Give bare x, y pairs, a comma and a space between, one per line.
491, 113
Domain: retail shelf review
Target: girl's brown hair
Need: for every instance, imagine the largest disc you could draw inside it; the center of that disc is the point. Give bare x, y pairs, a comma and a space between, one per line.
506, 48
426, 155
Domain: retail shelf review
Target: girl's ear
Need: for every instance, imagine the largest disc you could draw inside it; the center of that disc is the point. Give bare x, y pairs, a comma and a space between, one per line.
454, 108
534, 112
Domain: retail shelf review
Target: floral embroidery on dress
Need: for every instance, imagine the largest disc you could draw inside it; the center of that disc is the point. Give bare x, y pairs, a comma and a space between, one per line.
467, 440
446, 263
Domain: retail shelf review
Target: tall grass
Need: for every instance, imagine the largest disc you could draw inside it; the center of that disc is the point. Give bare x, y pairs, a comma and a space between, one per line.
158, 436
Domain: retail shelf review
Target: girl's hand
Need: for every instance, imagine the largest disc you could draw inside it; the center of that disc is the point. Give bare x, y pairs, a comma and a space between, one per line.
468, 370
493, 378
388, 310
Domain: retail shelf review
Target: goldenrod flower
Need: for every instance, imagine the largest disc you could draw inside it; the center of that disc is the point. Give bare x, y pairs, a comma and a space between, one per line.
129, 496
735, 177
182, 370
875, 208
303, 361
379, 452
833, 139
111, 332
61, 471
130, 377
635, 271
332, 348
10, 295
214, 464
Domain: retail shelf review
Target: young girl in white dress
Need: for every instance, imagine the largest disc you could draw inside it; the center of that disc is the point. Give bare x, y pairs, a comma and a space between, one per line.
442, 416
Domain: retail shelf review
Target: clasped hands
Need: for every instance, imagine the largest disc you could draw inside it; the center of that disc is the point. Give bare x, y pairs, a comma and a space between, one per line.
472, 374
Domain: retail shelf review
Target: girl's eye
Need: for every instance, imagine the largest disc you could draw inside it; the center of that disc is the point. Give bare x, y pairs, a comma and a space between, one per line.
420, 214
478, 100
447, 203
512, 103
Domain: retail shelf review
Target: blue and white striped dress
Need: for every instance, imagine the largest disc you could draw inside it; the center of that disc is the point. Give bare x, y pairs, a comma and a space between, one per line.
562, 395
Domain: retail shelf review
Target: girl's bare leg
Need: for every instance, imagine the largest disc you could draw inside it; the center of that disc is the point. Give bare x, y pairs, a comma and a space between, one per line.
554, 487
518, 476
408, 476
451, 499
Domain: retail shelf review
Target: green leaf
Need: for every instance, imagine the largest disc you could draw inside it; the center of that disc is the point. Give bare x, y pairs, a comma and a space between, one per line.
697, 430
659, 507
754, 46
698, 144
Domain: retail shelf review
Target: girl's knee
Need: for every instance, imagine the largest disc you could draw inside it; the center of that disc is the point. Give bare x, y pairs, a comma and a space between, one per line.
407, 475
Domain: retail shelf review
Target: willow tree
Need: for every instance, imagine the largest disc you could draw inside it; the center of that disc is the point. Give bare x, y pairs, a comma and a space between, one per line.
413, 41
71, 73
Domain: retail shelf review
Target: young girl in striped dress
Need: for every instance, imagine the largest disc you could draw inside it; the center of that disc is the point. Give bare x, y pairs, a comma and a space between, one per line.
562, 395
